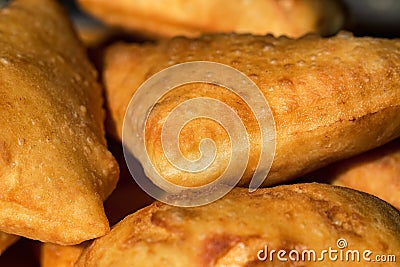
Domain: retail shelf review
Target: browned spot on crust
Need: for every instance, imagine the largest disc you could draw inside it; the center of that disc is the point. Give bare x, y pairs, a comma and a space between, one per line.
383, 245
286, 83
288, 244
215, 246
253, 263
172, 218
348, 222
4, 154
337, 217
158, 219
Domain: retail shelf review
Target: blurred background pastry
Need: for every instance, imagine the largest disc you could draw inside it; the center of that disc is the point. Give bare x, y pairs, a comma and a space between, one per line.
167, 19
6, 240
52, 255
376, 172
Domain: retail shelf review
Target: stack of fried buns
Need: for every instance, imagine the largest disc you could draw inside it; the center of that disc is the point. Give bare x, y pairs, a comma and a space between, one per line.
332, 194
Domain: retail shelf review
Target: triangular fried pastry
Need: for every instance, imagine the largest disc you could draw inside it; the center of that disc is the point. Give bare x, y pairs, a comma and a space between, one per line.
331, 98
52, 255
55, 169
243, 229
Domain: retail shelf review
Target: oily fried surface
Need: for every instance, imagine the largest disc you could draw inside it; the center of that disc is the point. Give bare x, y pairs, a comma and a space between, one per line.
331, 98
230, 231
53, 255
55, 169
376, 172
127, 198
6, 240
177, 17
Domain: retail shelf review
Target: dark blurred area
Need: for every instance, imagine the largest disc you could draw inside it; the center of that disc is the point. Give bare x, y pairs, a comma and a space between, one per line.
380, 18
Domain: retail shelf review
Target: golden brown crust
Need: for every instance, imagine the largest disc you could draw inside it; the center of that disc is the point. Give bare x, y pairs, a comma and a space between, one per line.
376, 172
53, 255
230, 231
177, 17
331, 97
55, 169
6, 240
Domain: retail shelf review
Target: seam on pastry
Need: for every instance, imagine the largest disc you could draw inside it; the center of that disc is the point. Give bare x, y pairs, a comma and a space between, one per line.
343, 120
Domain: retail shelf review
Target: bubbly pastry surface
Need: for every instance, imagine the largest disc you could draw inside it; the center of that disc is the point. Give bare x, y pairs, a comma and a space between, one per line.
331, 98
231, 231
55, 169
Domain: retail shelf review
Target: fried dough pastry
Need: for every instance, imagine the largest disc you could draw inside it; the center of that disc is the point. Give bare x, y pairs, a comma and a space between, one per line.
170, 18
331, 98
6, 240
376, 172
53, 255
232, 230
55, 169
124, 200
